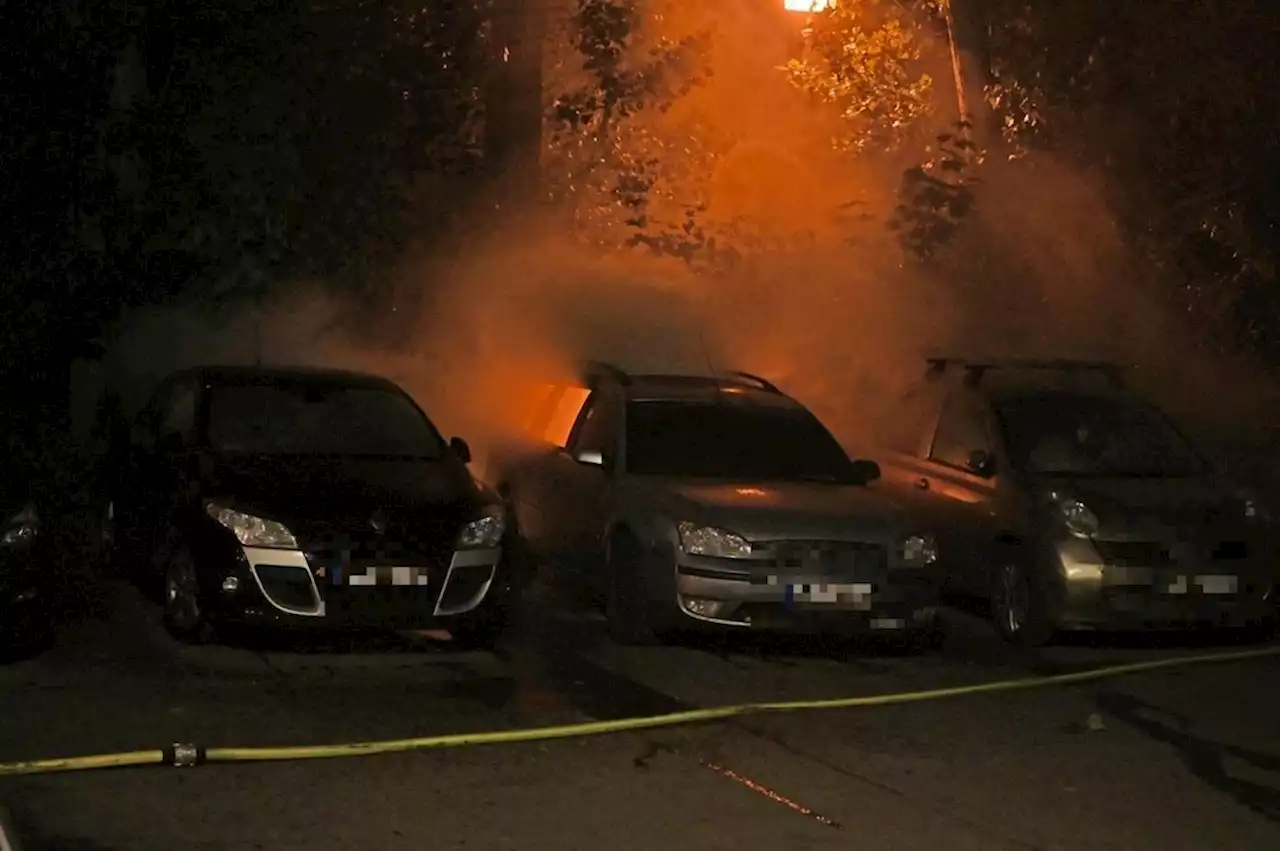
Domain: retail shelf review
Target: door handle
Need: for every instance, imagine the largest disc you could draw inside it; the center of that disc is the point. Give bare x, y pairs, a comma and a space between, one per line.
922, 483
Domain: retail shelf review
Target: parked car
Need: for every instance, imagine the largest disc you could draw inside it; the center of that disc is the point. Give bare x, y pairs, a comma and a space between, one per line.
26, 564
307, 498
695, 503
1069, 502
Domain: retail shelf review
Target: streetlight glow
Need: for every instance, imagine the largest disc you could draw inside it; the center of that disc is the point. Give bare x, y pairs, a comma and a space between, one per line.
807, 6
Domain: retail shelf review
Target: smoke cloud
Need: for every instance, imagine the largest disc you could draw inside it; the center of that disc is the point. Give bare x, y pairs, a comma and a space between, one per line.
843, 322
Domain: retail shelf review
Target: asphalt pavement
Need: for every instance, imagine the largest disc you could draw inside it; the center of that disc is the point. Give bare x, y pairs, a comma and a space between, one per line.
1183, 758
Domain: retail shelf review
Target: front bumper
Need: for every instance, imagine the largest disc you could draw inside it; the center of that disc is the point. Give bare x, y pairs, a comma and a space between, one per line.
722, 594
1099, 589
285, 588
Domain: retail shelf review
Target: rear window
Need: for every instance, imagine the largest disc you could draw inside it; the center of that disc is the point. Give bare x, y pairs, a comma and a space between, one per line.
731, 442
301, 419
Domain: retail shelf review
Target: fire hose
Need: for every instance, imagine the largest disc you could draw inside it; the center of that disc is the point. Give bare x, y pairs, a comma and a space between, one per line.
186, 755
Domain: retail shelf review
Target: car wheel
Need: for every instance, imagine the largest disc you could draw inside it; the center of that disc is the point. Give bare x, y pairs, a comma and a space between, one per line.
1019, 607
626, 608
184, 616
483, 635
927, 639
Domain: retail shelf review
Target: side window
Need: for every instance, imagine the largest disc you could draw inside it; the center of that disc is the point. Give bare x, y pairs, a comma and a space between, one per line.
908, 424
178, 417
595, 429
147, 422
961, 432
564, 405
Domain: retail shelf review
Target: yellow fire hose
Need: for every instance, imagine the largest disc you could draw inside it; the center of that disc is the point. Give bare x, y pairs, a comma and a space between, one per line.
183, 755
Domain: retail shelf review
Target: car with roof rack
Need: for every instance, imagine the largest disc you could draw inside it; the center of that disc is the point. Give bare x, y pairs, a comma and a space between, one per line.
688, 503
1066, 500
307, 498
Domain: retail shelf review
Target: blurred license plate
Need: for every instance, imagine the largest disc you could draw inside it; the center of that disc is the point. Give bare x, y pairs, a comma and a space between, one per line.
1209, 584
827, 592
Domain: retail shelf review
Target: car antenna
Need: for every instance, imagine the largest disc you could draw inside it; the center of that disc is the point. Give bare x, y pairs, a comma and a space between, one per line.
706, 353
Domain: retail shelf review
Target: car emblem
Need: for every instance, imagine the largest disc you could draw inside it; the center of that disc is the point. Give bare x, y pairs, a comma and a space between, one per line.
378, 522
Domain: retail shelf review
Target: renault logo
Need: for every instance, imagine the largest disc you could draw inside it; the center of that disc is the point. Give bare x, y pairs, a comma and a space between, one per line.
378, 522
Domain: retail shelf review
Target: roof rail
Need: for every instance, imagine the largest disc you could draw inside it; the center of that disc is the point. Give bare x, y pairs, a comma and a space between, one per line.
975, 369
594, 368
764, 384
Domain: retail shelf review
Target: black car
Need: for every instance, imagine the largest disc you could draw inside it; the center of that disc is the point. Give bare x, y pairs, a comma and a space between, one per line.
255, 496
26, 564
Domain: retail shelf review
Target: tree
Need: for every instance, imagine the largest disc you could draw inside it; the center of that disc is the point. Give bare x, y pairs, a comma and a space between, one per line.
864, 59
1168, 106
608, 160
160, 149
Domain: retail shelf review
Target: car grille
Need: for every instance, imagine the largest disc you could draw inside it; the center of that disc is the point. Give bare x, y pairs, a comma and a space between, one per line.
423, 540
825, 558
288, 586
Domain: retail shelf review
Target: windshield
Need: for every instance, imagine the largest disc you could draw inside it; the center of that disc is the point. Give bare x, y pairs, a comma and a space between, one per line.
300, 419
1072, 435
731, 442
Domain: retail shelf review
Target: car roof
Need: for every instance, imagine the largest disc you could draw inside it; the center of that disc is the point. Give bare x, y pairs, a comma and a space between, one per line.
239, 374
705, 390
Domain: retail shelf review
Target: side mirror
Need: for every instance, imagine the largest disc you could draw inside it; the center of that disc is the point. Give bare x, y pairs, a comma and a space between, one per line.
590, 457
460, 448
865, 472
981, 464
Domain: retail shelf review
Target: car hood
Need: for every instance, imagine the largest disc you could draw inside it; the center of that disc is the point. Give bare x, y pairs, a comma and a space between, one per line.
1149, 506
783, 510
289, 488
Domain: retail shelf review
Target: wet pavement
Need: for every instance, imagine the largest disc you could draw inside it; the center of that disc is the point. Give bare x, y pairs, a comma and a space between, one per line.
1184, 758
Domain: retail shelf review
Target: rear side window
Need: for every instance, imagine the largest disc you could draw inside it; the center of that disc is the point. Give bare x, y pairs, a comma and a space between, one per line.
962, 430
909, 422
597, 432
178, 419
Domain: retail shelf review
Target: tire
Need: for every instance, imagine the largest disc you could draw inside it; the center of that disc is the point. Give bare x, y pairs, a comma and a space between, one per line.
1020, 606
184, 616
482, 632
626, 606
926, 639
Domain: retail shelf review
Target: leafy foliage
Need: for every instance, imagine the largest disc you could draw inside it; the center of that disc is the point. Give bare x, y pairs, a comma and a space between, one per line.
936, 196
863, 58
1171, 105
159, 147
611, 164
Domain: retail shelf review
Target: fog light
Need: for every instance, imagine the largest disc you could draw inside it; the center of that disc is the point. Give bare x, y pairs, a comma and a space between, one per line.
231, 585
700, 607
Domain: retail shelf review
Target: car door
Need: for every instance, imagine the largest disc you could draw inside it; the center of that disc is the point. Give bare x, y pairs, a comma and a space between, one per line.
535, 478
962, 494
588, 469
175, 480
133, 498
906, 436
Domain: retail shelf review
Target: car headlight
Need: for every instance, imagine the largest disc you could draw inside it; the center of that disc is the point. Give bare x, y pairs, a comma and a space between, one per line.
918, 550
712, 542
253, 531
21, 529
484, 532
1078, 518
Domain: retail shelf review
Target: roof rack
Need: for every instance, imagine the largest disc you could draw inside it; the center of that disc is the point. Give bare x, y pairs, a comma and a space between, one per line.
763, 384
975, 369
593, 369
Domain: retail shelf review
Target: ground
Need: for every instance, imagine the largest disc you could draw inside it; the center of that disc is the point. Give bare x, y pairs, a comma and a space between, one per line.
1183, 759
